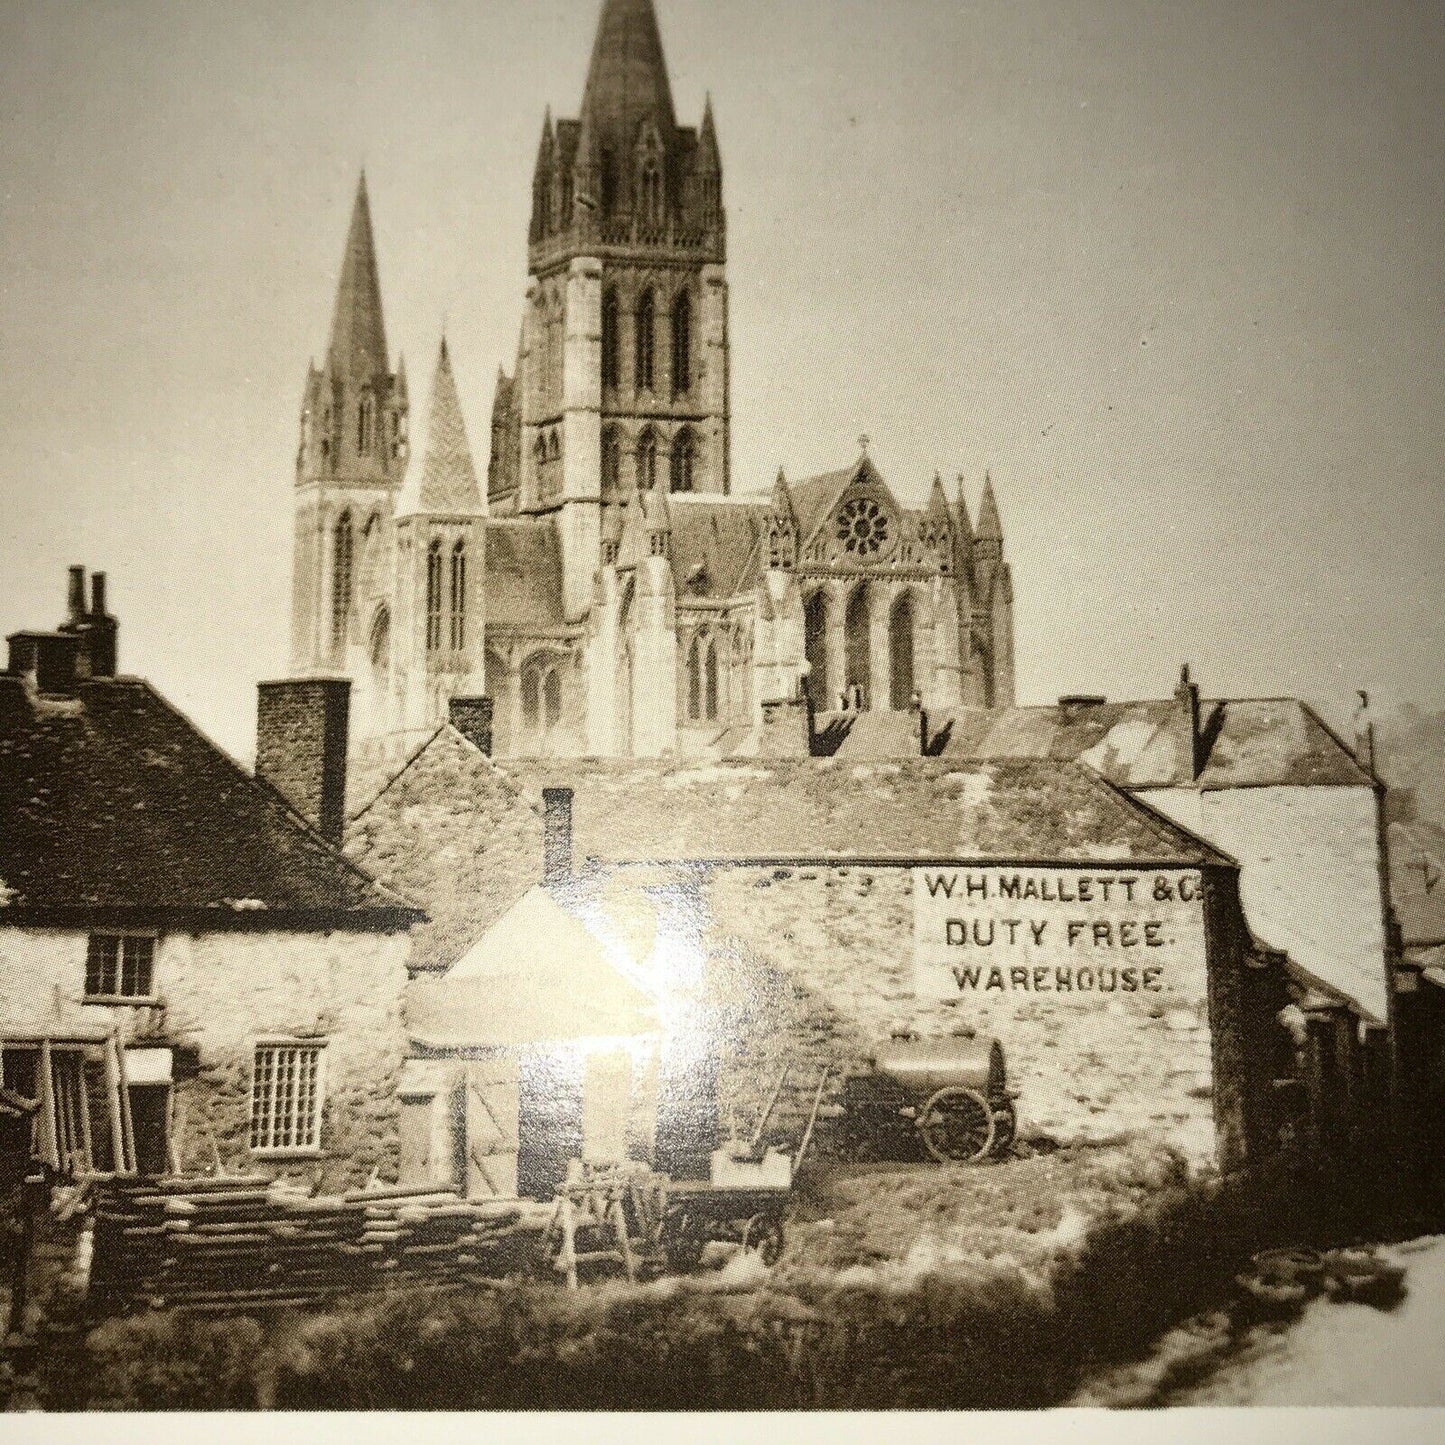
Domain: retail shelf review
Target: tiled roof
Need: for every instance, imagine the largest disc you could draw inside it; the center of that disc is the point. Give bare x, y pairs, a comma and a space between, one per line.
463, 832
1417, 882
441, 478
1249, 743
524, 574
114, 801
716, 545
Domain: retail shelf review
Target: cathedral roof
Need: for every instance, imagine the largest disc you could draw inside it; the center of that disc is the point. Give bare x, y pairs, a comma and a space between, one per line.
441, 478
627, 81
524, 574
358, 334
716, 545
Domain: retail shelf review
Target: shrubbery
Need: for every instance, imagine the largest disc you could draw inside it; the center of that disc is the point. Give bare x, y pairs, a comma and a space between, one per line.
986, 1335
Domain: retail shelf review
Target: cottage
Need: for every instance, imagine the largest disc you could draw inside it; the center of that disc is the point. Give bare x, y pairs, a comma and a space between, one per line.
192, 976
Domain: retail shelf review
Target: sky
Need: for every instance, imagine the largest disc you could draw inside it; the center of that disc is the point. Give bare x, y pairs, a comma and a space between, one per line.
1171, 271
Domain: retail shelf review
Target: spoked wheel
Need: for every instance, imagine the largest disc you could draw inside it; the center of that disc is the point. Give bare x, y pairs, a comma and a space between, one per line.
764, 1233
957, 1126
1005, 1127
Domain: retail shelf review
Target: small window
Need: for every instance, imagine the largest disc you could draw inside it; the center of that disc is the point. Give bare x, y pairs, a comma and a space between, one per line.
286, 1094
120, 966
434, 597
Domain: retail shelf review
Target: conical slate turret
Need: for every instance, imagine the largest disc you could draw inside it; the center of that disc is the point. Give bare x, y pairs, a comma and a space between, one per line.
442, 479
357, 350
627, 80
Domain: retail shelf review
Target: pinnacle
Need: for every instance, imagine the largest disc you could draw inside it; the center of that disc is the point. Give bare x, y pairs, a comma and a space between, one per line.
989, 524
442, 478
358, 332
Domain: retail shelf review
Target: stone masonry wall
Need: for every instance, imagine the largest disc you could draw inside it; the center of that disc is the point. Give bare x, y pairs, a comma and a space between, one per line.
221, 992
816, 964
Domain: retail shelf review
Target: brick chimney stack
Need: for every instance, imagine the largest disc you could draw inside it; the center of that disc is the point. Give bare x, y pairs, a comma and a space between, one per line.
301, 727
556, 837
81, 648
1191, 722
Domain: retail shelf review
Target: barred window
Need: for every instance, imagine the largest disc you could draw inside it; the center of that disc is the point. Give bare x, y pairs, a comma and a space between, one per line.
286, 1093
119, 966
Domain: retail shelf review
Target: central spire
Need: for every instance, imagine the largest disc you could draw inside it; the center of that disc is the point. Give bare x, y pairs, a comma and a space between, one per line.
627, 80
358, 333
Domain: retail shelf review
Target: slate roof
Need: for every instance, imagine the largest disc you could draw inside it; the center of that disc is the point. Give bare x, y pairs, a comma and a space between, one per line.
1417, 882
524, 574
114, 802
441, 478
1249, 742
463, 832
716, 545
358, 334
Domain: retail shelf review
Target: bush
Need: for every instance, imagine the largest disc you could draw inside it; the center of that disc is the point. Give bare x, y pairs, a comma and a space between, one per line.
982, 1335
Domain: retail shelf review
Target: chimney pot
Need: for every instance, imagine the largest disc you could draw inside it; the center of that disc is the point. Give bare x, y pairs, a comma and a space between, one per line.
97, 594
556, 836
76, 599
301, 727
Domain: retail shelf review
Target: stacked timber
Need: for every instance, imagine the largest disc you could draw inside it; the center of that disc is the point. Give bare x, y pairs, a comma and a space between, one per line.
235, 1243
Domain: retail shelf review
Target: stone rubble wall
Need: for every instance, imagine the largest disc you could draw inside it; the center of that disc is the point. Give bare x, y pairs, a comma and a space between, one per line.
816, 966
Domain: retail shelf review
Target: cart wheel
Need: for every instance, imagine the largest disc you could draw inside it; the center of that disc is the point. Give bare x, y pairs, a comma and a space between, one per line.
683, 1245
764, 1233
1005, 1127
957, 1126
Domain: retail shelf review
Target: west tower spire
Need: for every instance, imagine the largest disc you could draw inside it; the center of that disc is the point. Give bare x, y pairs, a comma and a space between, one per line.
357, 348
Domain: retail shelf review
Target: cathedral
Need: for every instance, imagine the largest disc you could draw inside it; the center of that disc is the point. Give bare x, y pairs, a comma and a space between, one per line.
606, 586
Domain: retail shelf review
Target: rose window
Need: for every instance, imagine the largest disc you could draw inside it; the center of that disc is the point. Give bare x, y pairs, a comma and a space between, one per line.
863, 527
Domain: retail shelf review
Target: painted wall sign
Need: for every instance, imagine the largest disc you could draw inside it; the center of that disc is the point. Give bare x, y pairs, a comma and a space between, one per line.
1075, 935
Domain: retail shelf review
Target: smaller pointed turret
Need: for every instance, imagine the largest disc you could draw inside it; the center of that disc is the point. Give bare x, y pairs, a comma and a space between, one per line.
965, 522
401, 390
709, 157
442, 479
990, 528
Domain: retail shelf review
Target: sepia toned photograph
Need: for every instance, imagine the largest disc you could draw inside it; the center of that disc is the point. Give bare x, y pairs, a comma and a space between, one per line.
722, 706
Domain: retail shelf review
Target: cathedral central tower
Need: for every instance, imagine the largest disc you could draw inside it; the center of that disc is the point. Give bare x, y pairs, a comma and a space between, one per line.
622, 372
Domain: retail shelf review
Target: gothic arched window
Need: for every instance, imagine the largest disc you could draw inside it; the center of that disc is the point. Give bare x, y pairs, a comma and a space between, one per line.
858, 650
611, 460
815, 648
459, 597
611, 369
694, 681
709, 681
683, 456
365, 425
434, 597
647, 460
649, 185
342, 554
646, 342
682, 345
542, 695
380, 648
900, 654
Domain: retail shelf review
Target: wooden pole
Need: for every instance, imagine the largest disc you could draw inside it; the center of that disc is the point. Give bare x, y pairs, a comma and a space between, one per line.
49, 1143
812, 1119
84, 1105
771, 1105
112, 1099
127, 1130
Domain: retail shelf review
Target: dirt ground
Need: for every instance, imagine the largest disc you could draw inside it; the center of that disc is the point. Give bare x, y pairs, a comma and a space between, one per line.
908, 1219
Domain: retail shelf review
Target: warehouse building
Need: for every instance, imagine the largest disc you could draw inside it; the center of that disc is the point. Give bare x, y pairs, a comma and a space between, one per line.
795, 910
